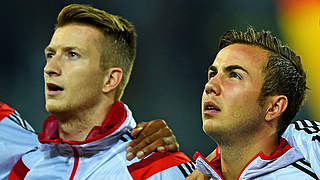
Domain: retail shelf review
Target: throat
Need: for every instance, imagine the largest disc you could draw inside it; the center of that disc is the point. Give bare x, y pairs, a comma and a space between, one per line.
74, 130
76, 126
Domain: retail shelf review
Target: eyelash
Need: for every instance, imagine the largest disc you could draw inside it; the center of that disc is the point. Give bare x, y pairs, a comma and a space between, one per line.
49, 55
235, 75
73, 54
231, 74
211, 74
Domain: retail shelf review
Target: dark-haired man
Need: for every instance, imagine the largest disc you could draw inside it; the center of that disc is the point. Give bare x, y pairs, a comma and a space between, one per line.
255, 87
89, 61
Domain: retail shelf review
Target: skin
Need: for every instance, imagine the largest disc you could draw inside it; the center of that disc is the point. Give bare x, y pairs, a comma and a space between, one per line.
234, 91
234, 85
73, 63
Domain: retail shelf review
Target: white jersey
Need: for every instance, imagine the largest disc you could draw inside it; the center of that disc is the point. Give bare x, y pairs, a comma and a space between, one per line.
101, 156
305, 135
301, 161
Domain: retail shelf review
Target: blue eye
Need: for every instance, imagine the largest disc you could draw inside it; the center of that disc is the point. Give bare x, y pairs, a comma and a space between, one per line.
235, 75
73, 55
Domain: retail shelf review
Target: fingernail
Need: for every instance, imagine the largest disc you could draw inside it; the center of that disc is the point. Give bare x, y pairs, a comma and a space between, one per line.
130, 156
129, 149
161, 149
139, 128
140, 154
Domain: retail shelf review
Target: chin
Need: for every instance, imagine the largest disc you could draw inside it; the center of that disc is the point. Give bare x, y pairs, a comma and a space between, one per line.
207, 127
54, 108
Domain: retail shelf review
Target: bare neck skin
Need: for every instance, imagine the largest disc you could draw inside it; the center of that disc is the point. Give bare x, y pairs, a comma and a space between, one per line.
76, 125
235, 155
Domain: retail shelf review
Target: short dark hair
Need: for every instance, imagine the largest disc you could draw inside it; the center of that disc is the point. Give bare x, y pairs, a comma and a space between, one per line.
117, 31
284, 74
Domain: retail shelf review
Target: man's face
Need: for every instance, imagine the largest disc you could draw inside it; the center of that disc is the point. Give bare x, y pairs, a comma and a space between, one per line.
73, 78
230, 104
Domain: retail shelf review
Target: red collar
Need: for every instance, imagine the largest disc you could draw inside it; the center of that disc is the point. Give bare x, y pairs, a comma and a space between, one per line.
114, 119
282, 148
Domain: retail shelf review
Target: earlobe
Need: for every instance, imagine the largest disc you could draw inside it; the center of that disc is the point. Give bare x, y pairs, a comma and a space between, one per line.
112, 79
277, 106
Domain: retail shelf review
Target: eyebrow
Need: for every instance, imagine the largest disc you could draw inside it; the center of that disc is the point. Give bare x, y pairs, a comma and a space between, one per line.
234, 67
65, 49
48, 49
229, 68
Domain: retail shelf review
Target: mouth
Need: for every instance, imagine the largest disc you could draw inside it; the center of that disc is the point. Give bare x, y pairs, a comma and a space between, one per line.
53, 89
210, 108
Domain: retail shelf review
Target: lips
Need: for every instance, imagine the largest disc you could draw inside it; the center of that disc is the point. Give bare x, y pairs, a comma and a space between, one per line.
211, 108
54, 89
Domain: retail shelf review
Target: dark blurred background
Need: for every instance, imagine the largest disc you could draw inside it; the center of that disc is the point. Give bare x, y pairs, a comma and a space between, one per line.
177, 41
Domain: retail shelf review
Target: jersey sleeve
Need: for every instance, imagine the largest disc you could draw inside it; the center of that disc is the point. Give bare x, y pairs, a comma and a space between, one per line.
305, 135
16, 138
162, 166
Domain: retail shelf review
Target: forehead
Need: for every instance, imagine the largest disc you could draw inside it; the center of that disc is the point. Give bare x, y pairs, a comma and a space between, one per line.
243, 55
76, 35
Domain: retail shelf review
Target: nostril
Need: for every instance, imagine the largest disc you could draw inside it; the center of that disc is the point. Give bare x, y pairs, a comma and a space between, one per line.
208, 91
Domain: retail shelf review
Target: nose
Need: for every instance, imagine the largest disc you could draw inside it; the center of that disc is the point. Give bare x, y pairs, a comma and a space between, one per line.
213, 87
53, 67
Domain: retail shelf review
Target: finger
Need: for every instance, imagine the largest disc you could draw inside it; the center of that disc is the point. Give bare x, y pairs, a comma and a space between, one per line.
169, 148
139, 146
171, 145
148, 132
135, 132
197, 175
149, 149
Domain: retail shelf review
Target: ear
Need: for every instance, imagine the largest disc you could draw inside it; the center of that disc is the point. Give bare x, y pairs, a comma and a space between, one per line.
112, 79
277, 105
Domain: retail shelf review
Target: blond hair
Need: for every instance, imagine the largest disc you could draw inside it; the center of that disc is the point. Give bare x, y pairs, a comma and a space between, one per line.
119, 44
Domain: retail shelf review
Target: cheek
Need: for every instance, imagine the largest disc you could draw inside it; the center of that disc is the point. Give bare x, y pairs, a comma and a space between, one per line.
234, 94
86, 82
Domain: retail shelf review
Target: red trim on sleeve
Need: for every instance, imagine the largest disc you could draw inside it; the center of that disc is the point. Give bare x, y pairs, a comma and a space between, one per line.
5, 110
155, 163
19, 171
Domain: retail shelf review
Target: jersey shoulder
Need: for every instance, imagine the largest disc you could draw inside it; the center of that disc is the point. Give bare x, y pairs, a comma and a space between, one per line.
162, 165
303, 130
5, 110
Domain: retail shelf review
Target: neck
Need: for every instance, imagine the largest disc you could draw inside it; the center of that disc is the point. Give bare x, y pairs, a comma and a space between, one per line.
234, 156
75, 126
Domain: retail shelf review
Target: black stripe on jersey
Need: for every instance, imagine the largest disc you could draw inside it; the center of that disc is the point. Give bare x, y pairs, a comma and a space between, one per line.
126, 137
188, 167
15, 117
23, 123
305, 127
129, 134
314, 124
183, 171
316, 137
305, 170
14, 120
123, 139
305, 163
304, 123
192, 165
